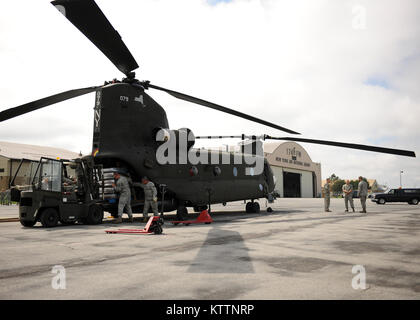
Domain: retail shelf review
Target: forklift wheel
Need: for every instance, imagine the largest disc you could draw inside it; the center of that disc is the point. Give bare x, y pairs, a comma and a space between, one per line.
49, 218
95, 215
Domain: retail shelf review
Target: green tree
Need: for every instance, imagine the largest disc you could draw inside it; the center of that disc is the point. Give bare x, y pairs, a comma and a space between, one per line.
337, 186
355, 184
333, 178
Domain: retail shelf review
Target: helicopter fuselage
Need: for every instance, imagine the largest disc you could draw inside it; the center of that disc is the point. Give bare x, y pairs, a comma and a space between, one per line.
126, 120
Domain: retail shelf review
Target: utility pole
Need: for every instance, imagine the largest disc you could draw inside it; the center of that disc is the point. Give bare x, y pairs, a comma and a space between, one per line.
401, 172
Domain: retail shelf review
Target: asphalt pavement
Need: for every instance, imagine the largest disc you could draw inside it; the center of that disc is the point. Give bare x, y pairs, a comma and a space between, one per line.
296, 252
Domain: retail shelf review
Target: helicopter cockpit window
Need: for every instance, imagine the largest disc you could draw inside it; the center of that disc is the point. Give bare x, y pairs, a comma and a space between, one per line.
50, 175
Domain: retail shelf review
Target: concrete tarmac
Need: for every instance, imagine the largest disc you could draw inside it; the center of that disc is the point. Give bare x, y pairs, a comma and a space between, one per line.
296, 252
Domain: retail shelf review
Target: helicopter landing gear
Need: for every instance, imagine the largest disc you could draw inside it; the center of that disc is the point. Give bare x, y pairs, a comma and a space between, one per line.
182, 213
252, 207
199, 208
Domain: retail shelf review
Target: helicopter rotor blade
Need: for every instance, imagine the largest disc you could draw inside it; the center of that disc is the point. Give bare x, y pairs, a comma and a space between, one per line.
86, 16
242, 136
218, 137
44, 102
399, 152
211, 105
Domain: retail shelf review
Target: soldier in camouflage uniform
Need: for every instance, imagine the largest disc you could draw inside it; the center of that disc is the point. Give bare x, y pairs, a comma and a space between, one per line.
363, 191
150, 197
326, 191
123, 188
348, 195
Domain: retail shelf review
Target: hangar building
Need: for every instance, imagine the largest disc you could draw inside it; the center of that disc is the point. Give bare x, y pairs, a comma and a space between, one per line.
12, 153
297, 176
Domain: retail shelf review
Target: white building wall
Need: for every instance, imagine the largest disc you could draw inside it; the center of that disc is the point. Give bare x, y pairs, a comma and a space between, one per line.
278, 173
306, 185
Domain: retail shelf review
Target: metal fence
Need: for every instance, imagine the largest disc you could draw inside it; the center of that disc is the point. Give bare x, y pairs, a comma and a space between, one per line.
5, 198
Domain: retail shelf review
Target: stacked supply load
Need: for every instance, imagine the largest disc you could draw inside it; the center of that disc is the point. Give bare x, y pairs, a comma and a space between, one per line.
108, 180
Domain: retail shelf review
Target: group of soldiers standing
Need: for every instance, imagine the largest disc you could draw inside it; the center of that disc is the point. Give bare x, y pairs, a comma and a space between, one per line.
122, 187
347, 195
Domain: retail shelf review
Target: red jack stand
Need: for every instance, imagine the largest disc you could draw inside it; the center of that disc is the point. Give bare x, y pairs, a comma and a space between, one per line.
154, 225
204, 217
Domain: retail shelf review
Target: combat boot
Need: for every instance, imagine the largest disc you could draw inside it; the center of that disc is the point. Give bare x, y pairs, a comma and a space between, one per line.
118, 220
131, 219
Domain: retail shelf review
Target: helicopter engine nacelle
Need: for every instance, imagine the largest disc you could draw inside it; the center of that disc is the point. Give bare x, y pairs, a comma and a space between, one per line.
180, 137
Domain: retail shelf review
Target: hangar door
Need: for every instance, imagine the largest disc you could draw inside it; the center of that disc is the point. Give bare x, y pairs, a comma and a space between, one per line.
291, 184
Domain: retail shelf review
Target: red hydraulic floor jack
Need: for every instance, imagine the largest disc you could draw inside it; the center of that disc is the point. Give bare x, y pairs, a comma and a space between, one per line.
204, 217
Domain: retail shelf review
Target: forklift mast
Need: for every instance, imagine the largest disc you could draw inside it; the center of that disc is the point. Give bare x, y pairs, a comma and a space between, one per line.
92, 175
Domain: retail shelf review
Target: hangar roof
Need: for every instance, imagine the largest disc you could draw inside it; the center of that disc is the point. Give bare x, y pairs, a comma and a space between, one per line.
269, 147
13, 150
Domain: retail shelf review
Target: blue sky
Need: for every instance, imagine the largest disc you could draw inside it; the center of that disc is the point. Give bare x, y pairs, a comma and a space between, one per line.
214, 2
377, 81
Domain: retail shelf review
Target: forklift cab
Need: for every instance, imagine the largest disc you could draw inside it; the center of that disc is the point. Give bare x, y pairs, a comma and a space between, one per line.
61, 192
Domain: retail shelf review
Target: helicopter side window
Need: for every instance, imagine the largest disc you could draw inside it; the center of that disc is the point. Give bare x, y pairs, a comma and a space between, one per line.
50, 175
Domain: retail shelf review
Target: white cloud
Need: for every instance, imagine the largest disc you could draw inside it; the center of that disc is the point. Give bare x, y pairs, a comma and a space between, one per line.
296, 63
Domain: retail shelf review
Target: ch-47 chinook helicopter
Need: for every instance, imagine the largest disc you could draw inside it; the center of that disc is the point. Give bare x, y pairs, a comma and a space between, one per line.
127, 121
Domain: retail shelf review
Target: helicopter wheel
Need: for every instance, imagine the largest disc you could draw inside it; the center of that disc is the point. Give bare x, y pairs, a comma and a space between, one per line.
255, 207
182, 213
252, 207
248, 207
200, 208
